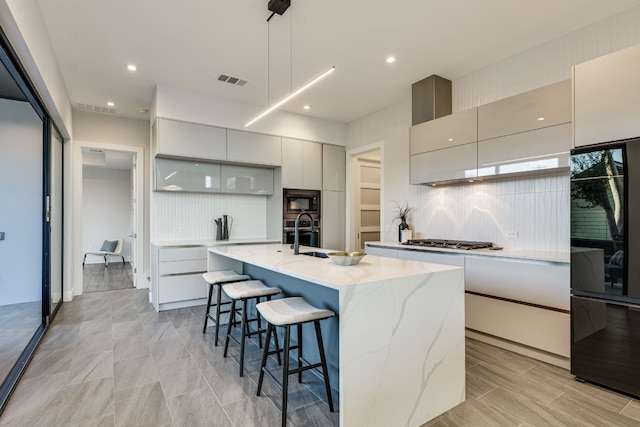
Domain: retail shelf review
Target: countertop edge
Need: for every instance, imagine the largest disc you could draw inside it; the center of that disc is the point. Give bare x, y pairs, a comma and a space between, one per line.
541, 256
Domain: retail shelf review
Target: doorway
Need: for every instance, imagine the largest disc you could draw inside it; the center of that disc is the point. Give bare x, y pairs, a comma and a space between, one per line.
364, 193
107, 204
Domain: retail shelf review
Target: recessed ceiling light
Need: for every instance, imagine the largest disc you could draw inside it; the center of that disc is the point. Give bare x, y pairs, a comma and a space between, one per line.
110, 104
390, 59
540, 119
450, 139
307, 107
131, 67
143, 111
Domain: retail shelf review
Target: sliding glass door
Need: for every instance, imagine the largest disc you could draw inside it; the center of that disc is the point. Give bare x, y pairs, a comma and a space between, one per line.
30, 221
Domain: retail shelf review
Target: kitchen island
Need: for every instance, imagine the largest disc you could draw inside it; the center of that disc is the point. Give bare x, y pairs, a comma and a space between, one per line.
399, 326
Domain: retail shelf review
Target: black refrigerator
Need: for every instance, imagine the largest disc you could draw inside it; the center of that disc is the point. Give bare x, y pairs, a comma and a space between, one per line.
605, 265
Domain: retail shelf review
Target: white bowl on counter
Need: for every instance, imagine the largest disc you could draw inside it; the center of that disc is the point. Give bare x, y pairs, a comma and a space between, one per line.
346, 258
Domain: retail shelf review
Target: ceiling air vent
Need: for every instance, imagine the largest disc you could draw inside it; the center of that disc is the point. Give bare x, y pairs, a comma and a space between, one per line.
96, 109
233, 80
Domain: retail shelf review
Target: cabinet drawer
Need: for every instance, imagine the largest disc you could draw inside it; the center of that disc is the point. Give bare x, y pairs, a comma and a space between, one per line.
386, 252
538, 283
432, 257
180, 254
179, 267
181, 288
546, 330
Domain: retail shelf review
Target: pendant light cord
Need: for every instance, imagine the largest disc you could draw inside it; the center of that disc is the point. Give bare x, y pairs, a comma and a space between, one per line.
269, 62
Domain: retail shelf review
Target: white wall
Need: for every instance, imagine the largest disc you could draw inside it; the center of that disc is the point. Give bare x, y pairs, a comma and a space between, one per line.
106, 209
180, 104
21, 203
536, 208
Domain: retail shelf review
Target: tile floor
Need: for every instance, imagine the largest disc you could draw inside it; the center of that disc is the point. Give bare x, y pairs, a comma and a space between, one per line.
98, 278
18, 323
109, 359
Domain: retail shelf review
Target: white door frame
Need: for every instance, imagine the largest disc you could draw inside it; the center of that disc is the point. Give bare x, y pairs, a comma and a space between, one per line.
351, 188
77, 210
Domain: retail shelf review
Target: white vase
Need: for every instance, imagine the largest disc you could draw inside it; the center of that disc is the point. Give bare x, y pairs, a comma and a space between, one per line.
405, 235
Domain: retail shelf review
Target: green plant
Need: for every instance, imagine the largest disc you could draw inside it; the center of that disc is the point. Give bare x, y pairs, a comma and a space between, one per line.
402, 212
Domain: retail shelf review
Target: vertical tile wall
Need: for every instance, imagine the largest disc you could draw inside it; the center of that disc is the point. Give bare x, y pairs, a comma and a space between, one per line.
189, 216
536, 208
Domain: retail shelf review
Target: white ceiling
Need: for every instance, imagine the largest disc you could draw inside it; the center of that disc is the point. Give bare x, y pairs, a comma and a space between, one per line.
187, 44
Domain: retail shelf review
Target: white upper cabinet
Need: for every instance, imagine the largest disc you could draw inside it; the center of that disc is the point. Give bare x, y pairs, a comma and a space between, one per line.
606, 98
543, 107
246, 180
333, 167
455, 163
448, 131
249, 147
534, 151
301, 164
185, 139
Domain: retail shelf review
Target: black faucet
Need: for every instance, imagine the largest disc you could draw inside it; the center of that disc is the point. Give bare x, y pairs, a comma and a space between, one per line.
296, 234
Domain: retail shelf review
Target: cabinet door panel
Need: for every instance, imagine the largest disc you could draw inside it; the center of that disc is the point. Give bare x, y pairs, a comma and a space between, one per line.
521, 113
540, 149
333, 220
187, 175
181, 288
180, 254
455, 129
333, 167
246, 180
248, 147
606, 106
311, 165
291, 163
432, 257
177, 138
448, 164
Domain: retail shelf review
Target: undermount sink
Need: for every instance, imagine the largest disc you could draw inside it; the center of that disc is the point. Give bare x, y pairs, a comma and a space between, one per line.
315, 254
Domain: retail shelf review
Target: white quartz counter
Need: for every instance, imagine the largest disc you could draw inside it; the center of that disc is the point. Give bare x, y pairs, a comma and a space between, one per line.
209, 243
401, 329
372, 269
549, 256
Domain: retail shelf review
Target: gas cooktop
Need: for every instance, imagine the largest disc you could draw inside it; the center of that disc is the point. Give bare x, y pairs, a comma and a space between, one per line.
451, 244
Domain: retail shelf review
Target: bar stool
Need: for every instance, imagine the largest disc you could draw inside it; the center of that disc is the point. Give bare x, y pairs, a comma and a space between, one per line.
243, 292
288, 312
216, 279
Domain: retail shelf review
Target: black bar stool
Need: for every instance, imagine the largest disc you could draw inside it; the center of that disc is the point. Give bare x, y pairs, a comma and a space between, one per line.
243, 292
216, 279
285, 313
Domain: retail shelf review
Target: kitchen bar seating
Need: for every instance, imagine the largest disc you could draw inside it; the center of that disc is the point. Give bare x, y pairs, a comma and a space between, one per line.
216, 279
285, 313
243, 292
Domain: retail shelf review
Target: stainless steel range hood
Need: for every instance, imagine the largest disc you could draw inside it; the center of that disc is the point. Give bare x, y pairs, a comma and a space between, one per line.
430, 99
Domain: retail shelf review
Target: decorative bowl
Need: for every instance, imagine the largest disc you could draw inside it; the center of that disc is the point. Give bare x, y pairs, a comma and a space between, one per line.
346, 258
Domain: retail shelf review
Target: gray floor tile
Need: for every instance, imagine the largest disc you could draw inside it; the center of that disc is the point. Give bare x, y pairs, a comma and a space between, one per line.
254, 412
198, 409
35, 400
87, 343
632, 410
170, 350
91, 366
46, 362
126, 329
181, 377
142, 406
133, 346
134, 372
86, 401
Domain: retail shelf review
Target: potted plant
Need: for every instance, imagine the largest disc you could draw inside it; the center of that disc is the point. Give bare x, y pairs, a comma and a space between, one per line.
402, 214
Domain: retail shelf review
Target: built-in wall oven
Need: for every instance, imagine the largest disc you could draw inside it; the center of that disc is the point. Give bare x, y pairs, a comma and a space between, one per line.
295, 202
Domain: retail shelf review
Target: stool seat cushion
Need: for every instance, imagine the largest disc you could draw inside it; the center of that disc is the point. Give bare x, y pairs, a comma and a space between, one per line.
223, 276
289, 311
248, 289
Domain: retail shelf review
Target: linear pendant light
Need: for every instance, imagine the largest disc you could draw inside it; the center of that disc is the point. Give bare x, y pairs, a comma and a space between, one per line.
292, 95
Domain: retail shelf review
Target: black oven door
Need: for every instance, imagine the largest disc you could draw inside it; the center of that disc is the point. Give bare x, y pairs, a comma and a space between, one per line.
306, 238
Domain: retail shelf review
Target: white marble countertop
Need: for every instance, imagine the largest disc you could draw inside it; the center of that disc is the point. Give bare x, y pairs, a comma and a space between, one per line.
561, 257
209, 243
322, 271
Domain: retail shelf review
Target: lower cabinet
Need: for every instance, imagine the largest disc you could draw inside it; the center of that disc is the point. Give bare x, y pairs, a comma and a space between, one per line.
378, 251
176, 277
333, 220
534, 327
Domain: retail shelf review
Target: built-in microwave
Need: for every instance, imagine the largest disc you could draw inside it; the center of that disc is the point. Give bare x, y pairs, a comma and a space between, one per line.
296, 201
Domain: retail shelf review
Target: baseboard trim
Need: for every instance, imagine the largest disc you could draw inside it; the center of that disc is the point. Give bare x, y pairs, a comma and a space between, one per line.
534, 353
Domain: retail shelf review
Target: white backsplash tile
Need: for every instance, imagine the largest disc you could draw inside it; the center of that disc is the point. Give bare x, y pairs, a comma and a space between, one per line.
190, 216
